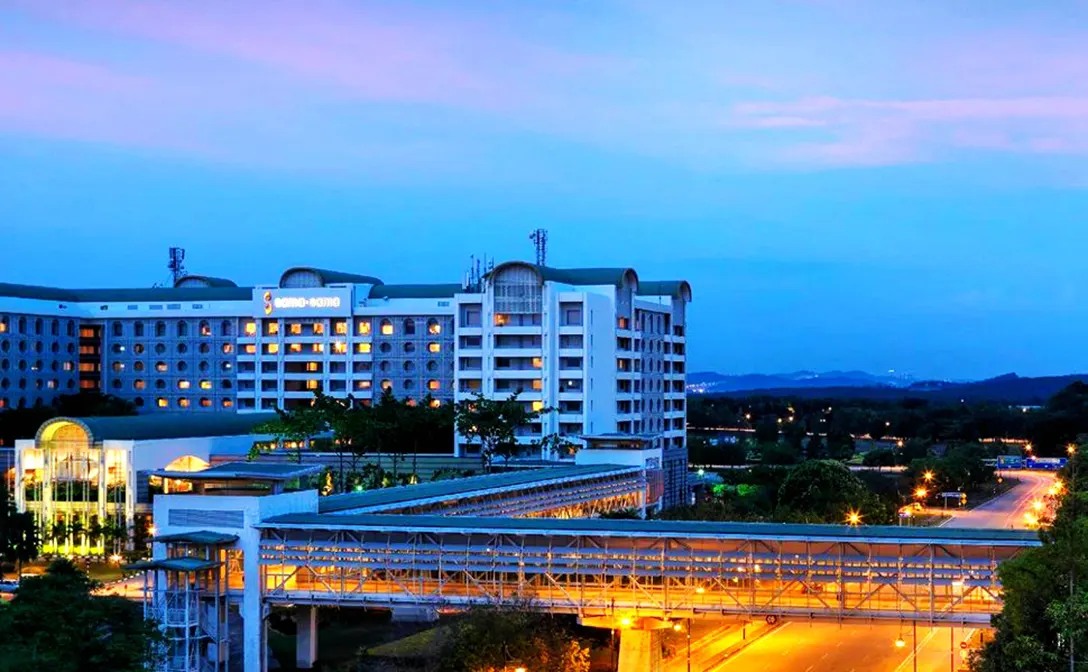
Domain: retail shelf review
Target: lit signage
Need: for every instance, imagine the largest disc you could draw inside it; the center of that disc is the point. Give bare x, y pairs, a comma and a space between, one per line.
334, 301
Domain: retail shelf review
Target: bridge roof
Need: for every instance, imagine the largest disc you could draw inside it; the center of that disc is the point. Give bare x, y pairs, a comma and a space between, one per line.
656, 528
457, 488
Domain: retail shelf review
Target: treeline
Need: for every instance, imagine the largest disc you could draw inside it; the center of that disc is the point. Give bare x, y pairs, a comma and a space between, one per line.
1049, 428
23, 423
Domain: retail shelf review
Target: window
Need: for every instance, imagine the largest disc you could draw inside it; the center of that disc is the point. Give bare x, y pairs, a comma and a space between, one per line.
362, 384
182, 348
362, 327
250, 329
409, 366
204, 366
362, 348
385, 367
538, 406
160, 348
313, 367
118, 329
160, 329
271, 328
137, 366
317, 347
205, 328
205, 384
385, 348
227, 348
432, 365
183, 402
319, 328
205, 402
434, 347
538, 363
435, 403
295, 328
409, 347
138, 384
183, 384
409, 326
227, 403
340, 328
204, 348
138, 329
225, 328
161, 402
182, 329
117, 348
538, 384
161, 367
433, 327
340, 347
181, 366
387, 328
3, 325
271, 348
38, 327
118, 366
387, 384
433, 385
226, 384
226, 366
294, 347
249, 349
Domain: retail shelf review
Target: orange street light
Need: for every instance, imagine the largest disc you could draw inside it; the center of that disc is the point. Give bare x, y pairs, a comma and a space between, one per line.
625, 622
520, 669
1030, 519
1071, 449
1059, 487
921, 493
900, 643
1038, 505
928, 476
676, 627
853, 518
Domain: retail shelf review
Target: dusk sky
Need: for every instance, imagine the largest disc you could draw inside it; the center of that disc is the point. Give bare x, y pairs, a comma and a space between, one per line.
846, 184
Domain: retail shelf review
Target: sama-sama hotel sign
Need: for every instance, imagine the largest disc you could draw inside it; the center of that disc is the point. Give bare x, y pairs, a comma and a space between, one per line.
326, 302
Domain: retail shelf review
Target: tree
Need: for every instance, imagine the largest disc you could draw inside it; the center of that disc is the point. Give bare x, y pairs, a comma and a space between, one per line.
498, 638
298, 425
83, 632
494, 423
19, 541
840, 445
781, 453
767, 430
815, 449
879, 457
825, 491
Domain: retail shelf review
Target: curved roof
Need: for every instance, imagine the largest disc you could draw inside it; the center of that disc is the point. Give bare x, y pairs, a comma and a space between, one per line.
678, 289
328, 277
575, 276
205, 281
166, 425
440, 291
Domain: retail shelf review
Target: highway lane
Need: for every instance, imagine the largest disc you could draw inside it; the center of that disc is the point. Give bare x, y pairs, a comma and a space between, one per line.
829, 647
1006, 511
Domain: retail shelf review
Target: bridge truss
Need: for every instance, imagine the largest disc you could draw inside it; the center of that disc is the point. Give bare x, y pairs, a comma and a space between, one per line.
640, 570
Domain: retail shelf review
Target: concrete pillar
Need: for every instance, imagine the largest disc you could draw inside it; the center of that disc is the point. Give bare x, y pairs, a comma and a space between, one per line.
306, 639
253, 631
640, 650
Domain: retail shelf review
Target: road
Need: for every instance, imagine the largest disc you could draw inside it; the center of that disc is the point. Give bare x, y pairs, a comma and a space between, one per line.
828, 647
1006, 511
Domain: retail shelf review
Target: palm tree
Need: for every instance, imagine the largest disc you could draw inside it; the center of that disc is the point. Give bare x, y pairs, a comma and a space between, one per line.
58, 534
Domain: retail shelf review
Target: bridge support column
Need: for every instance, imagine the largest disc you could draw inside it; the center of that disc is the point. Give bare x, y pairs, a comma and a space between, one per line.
306, 638
640, 651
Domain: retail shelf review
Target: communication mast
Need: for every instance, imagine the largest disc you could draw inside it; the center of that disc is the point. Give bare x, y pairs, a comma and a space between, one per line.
540, 241
177, 264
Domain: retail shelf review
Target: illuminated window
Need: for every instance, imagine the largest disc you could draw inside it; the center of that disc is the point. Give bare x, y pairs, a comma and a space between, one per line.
501, 320
272, 348
250, 329
387, 384
319, 329
205, 402
183, 384
387, 328
340, 347
271, 327
118, 366
227, 403
67, 366
623, 323
434, 347
249, 349
538, 384
313, 367
138, 384
311, 384
433, 327
295, 328
538, 363
317, 347
340, 328
161, 402
227, 348
294, 347
362, 327
538, 405
362, 348
183, 402
205, 329
205, 384
161, 367
434, 385
362, 384
3, 325
435, 403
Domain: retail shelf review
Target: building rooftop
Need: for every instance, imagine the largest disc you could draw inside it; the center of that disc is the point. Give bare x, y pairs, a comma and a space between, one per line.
245, 471
439, 291
655, 528
166, 425
328, 277
459, 487
205, 537
175, 565
678, 289
164, 294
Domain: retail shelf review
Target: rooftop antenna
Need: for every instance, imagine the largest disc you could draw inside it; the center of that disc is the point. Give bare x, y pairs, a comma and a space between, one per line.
177, 264
540, 241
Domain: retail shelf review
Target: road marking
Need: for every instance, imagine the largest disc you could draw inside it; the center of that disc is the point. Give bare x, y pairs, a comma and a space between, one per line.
809, 668
740, 653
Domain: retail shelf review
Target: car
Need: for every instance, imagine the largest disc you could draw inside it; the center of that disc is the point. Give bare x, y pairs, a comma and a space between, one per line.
8, 585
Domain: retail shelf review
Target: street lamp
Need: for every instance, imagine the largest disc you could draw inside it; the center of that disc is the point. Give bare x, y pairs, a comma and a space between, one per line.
928, 476
1037, 505
853, 518
921, 493
900, 643
1071, 449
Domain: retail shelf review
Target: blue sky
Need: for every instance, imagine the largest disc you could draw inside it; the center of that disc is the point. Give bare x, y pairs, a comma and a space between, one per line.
846, 184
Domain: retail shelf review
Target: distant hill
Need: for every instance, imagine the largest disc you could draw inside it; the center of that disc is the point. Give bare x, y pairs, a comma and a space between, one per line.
714, 383
1009, 389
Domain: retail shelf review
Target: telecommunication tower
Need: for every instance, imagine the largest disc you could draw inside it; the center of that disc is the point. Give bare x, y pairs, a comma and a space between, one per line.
540, 241
177, 264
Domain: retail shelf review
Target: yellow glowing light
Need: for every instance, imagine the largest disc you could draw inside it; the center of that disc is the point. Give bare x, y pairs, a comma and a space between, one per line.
853, 518
1071, 449
520, 669
677, 627
151, 530
1059, 487
1037, 505
928, 476
700, 590
625, 622
1031, 519
921, 493
900, 643
115, 558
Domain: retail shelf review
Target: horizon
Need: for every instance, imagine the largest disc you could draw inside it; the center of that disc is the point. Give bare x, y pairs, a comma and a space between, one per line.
908, 198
